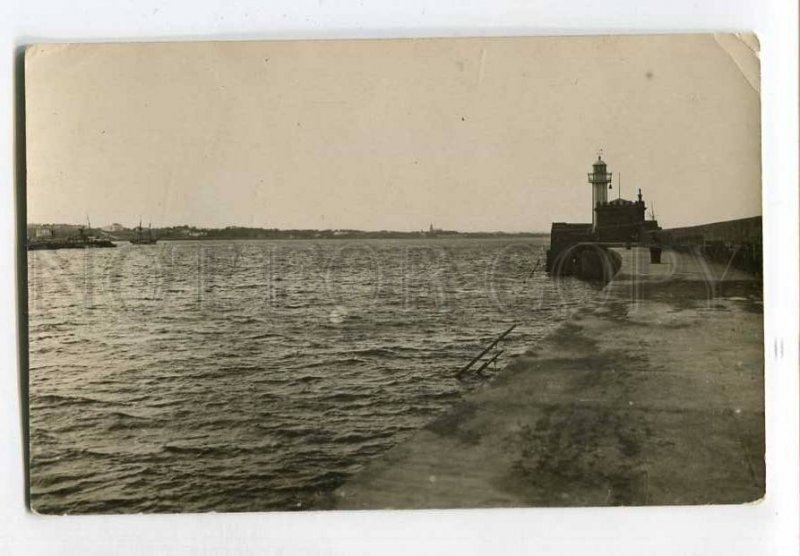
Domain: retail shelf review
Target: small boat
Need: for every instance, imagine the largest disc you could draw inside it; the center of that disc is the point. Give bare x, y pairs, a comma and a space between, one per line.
141, 238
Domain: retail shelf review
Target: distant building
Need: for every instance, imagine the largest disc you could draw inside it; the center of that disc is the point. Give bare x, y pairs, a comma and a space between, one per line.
113, 228
433, 231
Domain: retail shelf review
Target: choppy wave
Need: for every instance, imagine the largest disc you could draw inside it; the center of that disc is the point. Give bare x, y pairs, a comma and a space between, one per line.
264, 383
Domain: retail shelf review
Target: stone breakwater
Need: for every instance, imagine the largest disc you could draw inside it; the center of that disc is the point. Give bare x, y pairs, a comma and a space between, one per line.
735, 243
652, 394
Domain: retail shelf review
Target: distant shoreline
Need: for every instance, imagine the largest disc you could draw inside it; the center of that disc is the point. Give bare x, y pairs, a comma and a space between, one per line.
365, 236
190, 233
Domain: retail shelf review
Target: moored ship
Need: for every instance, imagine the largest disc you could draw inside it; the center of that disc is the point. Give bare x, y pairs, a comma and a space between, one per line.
45, 239
140, 238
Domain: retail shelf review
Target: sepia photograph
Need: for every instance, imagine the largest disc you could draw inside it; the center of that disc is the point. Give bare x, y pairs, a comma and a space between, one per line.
482, 272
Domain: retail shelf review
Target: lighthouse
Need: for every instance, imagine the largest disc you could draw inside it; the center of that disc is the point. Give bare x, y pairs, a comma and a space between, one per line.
614, 223
600, 181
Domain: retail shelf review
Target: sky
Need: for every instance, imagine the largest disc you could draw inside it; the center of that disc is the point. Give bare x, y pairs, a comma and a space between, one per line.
480, 134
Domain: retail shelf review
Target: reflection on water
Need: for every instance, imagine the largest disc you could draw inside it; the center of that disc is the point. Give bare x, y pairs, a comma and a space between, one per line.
253, 375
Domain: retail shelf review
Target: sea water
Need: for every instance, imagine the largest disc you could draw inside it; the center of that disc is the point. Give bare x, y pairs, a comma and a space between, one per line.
257, 375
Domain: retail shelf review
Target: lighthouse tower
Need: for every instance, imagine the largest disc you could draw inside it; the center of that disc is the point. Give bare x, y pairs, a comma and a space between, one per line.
601, 181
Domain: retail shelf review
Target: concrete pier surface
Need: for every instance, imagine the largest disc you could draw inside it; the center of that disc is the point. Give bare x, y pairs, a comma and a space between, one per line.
652, 395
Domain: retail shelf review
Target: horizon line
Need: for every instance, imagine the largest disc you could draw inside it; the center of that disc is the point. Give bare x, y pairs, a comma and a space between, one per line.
383, 230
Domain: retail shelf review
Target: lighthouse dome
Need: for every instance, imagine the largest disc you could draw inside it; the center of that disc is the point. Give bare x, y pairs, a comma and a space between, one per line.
599, 162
